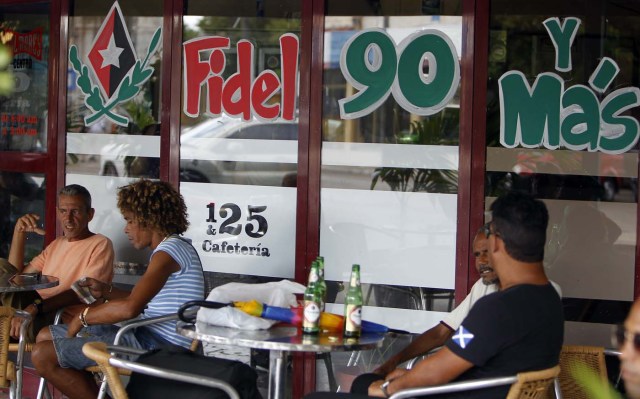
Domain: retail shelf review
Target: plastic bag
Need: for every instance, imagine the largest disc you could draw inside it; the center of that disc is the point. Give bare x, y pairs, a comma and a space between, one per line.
277, 293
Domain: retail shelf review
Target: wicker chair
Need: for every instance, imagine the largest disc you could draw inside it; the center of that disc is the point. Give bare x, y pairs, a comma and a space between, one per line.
97, 351
525, 385
591, 357
10, 372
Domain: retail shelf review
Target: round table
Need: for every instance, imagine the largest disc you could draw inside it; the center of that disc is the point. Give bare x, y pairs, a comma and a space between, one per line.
10, 282
280, 340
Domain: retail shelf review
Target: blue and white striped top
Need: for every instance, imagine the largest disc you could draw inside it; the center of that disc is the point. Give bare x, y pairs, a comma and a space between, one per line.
187, 284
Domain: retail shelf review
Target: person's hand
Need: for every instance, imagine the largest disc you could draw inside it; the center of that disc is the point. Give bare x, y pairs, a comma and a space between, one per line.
374, 389
16, 322
396, 373
384, 369
97, 287
29, 223
74, 326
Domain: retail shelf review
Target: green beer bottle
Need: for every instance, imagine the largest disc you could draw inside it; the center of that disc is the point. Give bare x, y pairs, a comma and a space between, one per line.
353, 305
311, 311
321, 283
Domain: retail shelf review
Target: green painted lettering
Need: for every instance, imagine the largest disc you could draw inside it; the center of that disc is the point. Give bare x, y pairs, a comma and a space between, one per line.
530, 116
580, 128
562, 36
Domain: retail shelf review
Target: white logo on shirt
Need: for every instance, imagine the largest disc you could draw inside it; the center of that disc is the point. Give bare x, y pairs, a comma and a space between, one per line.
462, 337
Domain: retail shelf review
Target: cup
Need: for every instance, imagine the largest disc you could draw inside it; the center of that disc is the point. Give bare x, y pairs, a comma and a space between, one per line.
84, 293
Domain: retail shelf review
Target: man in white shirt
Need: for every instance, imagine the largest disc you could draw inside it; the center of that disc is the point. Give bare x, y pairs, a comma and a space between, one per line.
439, 334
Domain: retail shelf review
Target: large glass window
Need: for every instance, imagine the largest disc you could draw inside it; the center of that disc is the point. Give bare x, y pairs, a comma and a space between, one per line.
239, 135
24, 28
20, 193
113, 107
390, 159
591, 196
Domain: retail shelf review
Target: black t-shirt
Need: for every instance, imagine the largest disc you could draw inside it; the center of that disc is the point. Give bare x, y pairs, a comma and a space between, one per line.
507, 332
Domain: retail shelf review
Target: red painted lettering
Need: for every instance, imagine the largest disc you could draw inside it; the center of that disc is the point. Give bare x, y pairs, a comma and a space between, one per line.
241, 94
196, 71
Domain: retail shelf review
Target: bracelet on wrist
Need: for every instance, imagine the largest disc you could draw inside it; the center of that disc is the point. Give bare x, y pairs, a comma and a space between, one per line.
82, 316
38, 305
383, 388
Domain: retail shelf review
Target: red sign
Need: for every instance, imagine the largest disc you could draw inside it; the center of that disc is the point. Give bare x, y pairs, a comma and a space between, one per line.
241, 94
29, 43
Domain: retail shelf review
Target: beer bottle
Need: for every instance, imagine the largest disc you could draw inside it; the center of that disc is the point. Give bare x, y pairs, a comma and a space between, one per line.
321, 283
353, 305
311, 311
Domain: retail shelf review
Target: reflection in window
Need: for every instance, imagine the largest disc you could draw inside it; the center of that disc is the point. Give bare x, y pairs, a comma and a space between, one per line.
23, 113
591, 196
20, 193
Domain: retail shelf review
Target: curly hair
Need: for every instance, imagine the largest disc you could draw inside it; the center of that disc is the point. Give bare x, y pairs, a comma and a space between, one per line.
155, 205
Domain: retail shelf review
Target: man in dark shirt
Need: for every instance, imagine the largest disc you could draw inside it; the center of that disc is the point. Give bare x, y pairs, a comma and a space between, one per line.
517, 329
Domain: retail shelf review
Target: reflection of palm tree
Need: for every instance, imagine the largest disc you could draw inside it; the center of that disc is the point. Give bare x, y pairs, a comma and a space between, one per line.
425, 132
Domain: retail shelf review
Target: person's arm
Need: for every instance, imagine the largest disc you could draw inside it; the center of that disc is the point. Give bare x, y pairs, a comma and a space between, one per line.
26, 224
441, 368
162, 265
100, 264
52, 304
428, 340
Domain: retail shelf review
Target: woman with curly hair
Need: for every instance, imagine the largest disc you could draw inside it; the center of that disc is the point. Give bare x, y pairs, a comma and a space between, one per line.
155, 215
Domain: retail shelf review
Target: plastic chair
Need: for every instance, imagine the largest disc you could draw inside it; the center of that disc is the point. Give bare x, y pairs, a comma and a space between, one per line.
10, 372
529, 385
97, 351
591, 357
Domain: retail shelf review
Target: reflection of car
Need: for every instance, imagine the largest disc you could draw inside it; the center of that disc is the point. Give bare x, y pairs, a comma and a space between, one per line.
227, 150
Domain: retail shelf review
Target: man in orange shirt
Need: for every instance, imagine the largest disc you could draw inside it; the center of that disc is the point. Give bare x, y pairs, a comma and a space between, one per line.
78, 253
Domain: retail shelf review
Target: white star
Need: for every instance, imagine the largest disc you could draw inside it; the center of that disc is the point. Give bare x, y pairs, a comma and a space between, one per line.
111, 55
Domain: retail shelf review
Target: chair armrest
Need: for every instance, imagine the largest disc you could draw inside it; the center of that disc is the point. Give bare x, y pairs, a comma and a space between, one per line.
415, 360
128, 325
96, 352
175, 375
455, 387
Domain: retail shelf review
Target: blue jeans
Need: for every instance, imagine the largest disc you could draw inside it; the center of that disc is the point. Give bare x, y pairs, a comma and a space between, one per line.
69, 350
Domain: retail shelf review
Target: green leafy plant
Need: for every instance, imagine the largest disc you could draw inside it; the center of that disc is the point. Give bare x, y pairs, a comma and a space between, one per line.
424, 132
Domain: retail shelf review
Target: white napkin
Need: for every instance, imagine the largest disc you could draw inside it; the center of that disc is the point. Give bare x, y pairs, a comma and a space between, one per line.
277, 293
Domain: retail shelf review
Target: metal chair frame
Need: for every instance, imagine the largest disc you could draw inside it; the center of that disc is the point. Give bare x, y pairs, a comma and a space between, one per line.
516, 383
96, 349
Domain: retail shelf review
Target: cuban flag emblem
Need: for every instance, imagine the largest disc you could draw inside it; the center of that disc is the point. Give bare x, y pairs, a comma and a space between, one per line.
112, 55
462, 337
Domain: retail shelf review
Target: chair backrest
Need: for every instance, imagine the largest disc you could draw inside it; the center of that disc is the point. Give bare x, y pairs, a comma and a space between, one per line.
97, 351
533, 384
6, 313
591, 357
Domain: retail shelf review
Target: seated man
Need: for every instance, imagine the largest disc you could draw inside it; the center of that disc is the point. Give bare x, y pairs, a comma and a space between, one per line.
79, 252
155, 215
439, 334
629, 343
519, 328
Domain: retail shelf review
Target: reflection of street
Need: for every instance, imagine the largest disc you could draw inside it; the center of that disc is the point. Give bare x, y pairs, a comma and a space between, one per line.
83, 164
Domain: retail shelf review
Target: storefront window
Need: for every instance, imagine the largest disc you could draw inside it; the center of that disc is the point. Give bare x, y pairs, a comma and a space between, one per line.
20, 193
390, 157
113, 107
239, 136
591, 195
24, 28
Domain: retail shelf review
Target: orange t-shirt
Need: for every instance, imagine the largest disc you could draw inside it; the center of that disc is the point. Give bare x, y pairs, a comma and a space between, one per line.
70, 261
